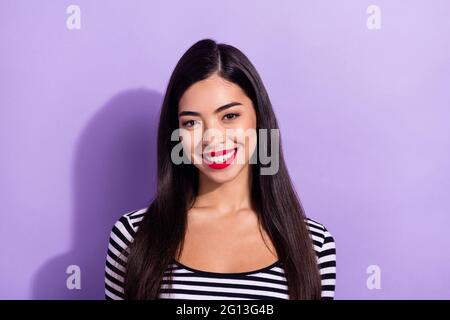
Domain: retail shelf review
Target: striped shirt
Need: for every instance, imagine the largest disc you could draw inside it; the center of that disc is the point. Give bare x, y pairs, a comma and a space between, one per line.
188, 283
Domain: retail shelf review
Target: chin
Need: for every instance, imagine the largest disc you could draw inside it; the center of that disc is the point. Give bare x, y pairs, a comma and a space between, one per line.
222, 175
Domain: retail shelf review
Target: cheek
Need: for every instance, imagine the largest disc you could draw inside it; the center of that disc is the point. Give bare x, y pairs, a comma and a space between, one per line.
191, 142
244, 134
251, 142
249, 138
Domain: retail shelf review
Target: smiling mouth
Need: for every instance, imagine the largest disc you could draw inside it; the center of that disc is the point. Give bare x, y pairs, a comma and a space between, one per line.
220, 159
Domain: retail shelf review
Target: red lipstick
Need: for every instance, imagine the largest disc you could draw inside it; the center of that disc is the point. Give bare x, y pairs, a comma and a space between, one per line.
222, 159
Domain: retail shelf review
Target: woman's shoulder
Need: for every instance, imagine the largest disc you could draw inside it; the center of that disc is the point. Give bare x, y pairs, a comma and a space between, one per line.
126, 226
320, 234
325, 249
122, 234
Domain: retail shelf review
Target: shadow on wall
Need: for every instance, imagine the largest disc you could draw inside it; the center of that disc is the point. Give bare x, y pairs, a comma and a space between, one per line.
114, 172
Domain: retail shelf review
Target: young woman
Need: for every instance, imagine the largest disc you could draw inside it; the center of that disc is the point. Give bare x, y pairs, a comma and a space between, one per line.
219, 226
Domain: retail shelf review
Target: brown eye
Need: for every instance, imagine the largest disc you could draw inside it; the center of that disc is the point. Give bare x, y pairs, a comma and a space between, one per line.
231, 116
189, 123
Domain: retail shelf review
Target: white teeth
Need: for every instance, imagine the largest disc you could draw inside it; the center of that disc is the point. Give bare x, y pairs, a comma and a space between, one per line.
220, 159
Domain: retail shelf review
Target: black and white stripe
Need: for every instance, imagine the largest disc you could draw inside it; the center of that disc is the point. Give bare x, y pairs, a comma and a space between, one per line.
189, 283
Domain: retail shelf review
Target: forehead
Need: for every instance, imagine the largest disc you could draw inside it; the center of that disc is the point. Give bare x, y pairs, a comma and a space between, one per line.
211, 93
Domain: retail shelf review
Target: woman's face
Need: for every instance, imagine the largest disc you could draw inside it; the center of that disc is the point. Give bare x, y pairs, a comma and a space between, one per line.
218, 128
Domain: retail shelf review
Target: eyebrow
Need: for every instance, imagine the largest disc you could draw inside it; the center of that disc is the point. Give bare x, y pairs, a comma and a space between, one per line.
219, 109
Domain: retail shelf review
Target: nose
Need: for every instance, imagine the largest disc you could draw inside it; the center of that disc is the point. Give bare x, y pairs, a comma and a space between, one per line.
213, 134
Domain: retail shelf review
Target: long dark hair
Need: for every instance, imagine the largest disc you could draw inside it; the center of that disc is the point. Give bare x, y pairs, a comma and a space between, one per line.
160, 236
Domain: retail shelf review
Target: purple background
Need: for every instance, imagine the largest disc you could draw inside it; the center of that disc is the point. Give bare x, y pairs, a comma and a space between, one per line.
364, 116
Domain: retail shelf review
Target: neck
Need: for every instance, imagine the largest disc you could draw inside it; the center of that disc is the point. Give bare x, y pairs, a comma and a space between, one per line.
228, 197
